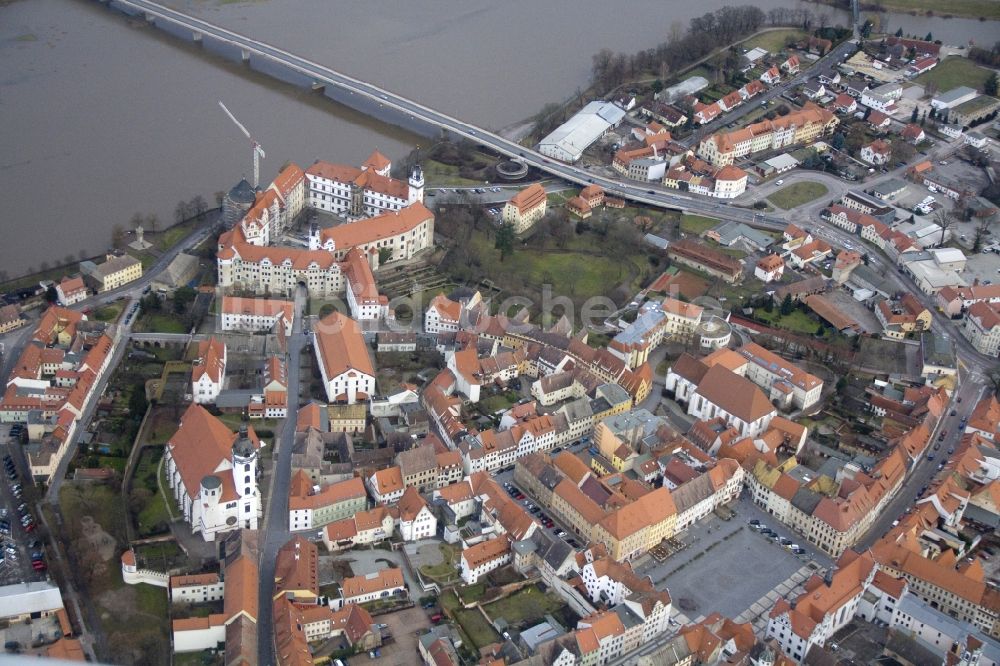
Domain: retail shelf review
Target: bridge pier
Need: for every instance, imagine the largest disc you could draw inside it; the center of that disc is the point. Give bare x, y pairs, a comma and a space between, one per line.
196, 37
245, 54
150, 18
318, 87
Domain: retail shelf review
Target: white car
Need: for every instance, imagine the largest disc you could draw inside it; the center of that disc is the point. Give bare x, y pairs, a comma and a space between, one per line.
779, 182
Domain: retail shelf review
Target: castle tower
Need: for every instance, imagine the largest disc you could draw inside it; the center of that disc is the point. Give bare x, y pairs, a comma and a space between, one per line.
244, 464
416, 183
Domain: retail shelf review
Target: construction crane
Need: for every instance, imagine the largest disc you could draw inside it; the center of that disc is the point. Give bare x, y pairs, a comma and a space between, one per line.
258, 152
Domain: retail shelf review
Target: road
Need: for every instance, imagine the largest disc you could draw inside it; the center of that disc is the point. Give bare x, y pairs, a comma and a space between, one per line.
275, 526
322, 75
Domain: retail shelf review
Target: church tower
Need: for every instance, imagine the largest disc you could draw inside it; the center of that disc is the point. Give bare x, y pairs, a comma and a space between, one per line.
416, 182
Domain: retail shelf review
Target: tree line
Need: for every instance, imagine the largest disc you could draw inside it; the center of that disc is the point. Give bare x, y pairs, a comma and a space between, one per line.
705, 33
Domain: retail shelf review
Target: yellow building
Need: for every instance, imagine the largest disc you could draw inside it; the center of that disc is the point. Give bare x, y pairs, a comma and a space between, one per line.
525, 208
113, 273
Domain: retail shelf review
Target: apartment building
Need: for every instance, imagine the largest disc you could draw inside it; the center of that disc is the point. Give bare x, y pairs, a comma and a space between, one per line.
311, 506
416, 521
484, 557
798, 127
525, 208
982, 327
208, 372
382, 584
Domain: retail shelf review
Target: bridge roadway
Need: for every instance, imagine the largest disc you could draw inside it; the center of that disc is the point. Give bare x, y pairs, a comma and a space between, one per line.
322, 75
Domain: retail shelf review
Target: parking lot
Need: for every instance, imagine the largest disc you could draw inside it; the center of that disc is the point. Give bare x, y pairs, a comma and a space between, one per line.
18, 541
729, 568
404, 626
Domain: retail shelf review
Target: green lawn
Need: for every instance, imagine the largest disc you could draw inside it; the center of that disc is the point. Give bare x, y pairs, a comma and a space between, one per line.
569, 271
955, 71
446, 570
797, 321
797, 194
109, 312
438, 174
773, 40
162, 323
476, 627
697, 224
527, 605
989, 9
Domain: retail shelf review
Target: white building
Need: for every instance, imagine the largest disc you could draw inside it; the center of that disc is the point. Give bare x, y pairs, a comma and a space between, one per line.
255, 314
382, 584
484, 557
982, 328
361, 192
954, 97
208, 373
416, 521
213, 474
568, 141
71, 291
722, 393
344, 363
386, 485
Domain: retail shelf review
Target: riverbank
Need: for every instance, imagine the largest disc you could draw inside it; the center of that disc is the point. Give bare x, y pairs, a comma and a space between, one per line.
984, 10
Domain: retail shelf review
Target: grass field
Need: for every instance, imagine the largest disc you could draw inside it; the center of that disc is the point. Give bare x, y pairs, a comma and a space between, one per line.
109, 312
696, 224
578, 270
525, 606
796, 322
797, 195
445, 175
773, 40
955, 71
446, 570
160, 323
989, 9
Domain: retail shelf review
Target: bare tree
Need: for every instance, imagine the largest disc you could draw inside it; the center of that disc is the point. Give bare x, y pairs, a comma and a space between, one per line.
945, 221
118, 237
181, 212
198, 205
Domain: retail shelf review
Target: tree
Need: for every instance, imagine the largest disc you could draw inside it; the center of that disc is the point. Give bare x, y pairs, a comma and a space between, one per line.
913, 116
198, 205
181, 212
820, 330
183, 297
837, 141
899, 33
219, 196
769, 303
945, 221
982, 230
118, 236
990, 86
384, 255
929, 37
786, 306
505, 240
842, 384
51, 295
152, 221
901, 151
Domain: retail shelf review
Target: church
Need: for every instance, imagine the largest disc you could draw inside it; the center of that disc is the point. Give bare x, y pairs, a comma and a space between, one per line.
213, 473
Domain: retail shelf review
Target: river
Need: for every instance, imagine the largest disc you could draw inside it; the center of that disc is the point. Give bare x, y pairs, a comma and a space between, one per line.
103, 117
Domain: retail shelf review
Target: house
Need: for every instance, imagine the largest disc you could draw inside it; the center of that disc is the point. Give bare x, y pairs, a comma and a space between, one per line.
791, 65
344, 363
771, 76
386, 485
950, 130
913, 133
878, 120
416, 521
898, 318
213, 472
770, 268
974, 110
208, 372
918, 67
844, 103
10, 318
814, 251
877, 152
706, 113
982, 328
525, 208
814, 90
976, 140
71, 291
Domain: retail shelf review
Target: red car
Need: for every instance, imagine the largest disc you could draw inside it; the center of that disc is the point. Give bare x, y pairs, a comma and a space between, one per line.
39, 565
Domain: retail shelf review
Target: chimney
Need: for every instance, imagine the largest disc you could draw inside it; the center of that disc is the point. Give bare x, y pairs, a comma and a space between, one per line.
828, 577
